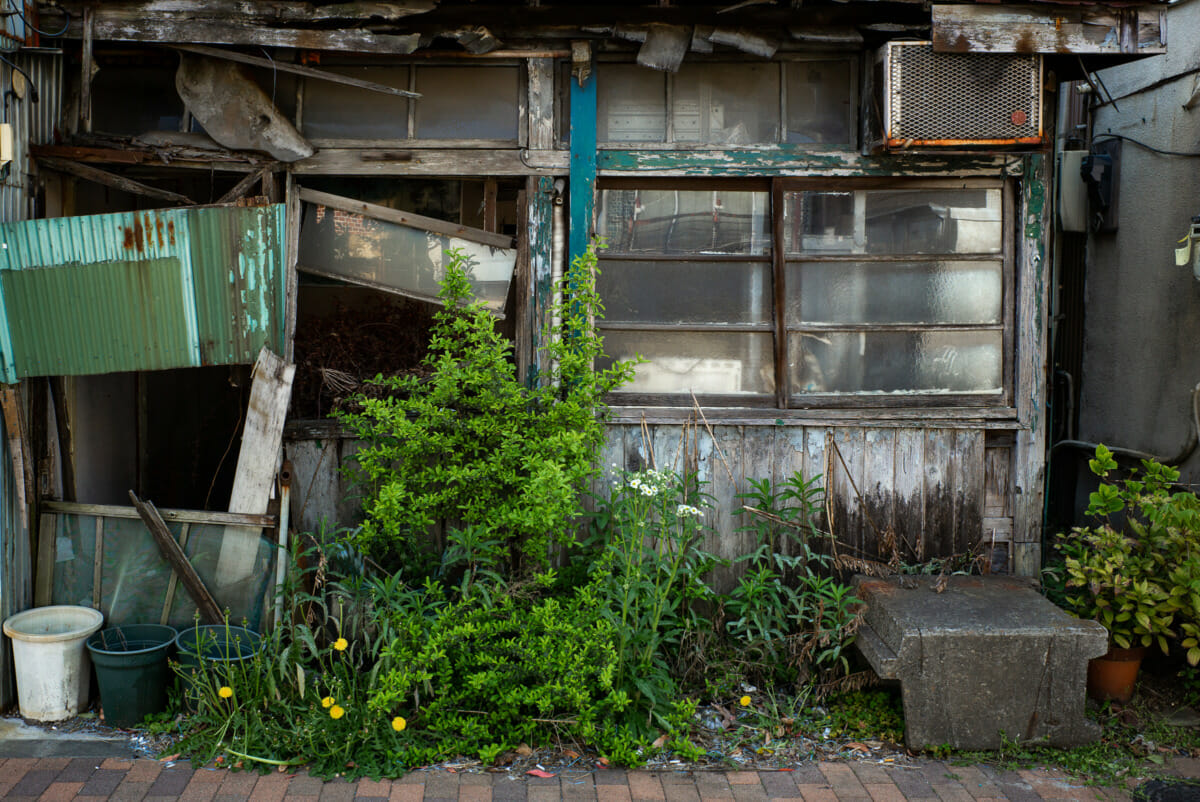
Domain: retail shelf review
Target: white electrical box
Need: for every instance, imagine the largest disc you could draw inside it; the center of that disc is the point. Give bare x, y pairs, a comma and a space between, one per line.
1072, 192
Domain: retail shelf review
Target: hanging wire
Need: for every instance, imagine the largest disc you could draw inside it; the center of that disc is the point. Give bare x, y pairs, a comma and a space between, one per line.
21, 13
274, 73
33, 93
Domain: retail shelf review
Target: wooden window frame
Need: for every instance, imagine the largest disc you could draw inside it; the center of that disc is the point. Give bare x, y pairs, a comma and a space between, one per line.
781, 63
784, 400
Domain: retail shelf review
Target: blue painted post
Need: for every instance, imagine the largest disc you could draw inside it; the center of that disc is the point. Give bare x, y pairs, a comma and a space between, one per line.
583, 164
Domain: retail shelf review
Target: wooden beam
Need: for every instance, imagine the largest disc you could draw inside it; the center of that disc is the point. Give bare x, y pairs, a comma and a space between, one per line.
85, 69
223, 31
1083, 30
106, 178
402, 159
87, 154
406, 219
258, 462
209, 610
265, 12
240, 189
296, 69
14, 425
178, 516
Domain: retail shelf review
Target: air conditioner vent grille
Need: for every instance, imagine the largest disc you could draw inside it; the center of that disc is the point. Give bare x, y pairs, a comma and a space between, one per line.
952, 97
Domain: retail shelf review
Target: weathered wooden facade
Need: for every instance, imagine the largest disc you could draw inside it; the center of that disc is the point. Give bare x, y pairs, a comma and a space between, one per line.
828, 232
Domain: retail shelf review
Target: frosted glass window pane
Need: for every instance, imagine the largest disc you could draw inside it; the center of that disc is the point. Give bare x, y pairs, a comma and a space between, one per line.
895, 362
727, 104
631, 104
683, 222
685, 292
467, 102
411, 261
893, 221
820, 102
334, 111
695, 362
894, 292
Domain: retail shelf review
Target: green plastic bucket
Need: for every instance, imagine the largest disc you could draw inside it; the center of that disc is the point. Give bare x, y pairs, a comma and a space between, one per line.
132, 671
215, 647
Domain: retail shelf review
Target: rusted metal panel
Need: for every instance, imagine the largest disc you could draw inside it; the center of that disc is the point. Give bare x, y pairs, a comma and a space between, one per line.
146, 290
1084, 30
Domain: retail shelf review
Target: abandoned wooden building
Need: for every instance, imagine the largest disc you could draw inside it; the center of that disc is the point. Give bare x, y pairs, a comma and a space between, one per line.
828, 230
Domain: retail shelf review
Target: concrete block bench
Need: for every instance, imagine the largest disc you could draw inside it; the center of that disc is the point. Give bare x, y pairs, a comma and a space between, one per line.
986, 659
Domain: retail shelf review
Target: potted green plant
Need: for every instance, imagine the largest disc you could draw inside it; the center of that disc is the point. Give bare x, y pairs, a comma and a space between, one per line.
1122, 577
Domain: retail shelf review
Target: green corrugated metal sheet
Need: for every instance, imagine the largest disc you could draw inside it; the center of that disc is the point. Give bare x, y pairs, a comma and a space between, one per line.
141, 290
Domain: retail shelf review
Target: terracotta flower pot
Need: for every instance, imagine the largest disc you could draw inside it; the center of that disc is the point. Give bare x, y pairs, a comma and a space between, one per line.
1112, 676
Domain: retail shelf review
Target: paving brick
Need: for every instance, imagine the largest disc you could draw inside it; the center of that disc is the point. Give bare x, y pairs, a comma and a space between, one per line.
680, 792
303, 785
130, 792
237, 783
884, 792
611, 777
644, 785
14, 768
119, 764
507, 790
471, 778
911, 782
270, 787
474, 793
199, 789
443, 785
749, 793
951, 791
841, 778
612, 793
407, 792
367, 788
33, 783
869, 773
170, 782
60, 792
339, 791
210, 775
289, 797
144, 771
713, 787
808, 774
93, 799
55, 764
78, 770
675, 777
778, 784
742, 777
812, 792
543, 793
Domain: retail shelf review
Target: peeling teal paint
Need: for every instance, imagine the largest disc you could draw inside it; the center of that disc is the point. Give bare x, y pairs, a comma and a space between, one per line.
790, 159
583, 163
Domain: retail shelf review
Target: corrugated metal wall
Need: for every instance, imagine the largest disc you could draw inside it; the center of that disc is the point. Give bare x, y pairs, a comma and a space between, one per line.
151, 290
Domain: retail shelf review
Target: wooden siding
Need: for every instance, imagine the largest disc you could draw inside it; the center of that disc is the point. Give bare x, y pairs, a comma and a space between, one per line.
925, 484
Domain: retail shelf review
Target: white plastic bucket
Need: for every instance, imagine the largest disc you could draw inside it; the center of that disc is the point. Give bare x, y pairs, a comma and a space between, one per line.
51, 660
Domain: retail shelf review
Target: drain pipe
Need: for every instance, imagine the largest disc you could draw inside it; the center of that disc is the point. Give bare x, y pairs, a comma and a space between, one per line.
281, 557
1188, 449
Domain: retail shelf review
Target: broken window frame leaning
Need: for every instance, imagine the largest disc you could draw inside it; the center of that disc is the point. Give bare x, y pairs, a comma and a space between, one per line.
778, 391
451, 235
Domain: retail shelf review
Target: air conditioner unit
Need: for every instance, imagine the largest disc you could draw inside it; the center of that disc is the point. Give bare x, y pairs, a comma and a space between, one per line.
954, 100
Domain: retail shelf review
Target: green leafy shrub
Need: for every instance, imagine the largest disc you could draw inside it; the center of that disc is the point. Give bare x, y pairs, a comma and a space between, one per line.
649, 568
471, 447
792, 620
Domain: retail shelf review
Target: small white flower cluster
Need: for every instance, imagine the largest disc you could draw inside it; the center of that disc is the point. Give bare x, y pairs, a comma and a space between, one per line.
684, 510
650, 483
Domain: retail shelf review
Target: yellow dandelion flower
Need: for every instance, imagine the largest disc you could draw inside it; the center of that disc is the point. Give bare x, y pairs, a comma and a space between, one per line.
336, 712
327, 701
340, 644
398, 723
744, 701
225, 692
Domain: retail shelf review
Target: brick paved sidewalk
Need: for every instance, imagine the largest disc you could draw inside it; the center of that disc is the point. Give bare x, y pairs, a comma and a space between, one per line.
133, 780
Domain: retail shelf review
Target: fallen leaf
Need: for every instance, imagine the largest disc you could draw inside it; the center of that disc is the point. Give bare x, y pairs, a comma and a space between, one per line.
602, 762
169, 758
571, 753
660, 741
855, 746
545, 775
524, 751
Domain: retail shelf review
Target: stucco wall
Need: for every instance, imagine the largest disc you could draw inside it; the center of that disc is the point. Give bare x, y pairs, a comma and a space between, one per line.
1142, 336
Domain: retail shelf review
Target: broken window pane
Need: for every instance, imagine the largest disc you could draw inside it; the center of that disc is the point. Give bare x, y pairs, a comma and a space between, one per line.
726, 104
686, 292
336, 111
704, 363
685, 221
820, 102
467, 102
894, 292
895, 362
893, 221
631, 104
389, 256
